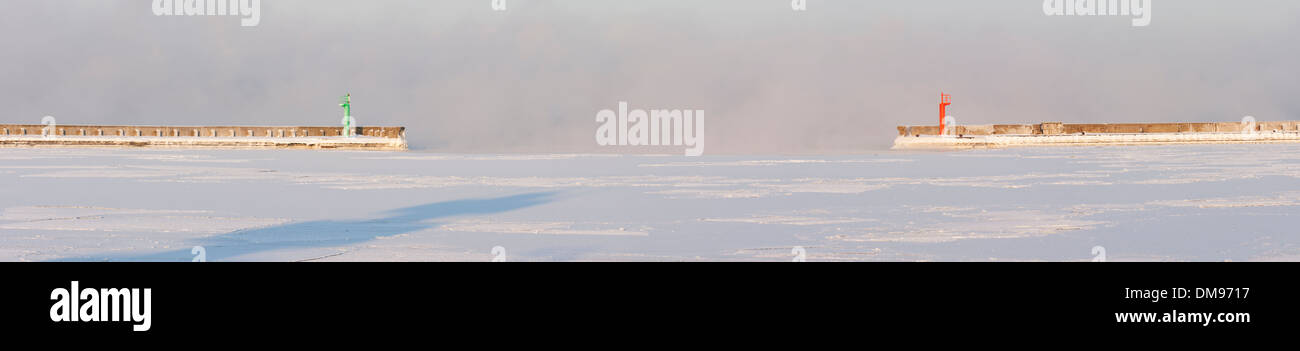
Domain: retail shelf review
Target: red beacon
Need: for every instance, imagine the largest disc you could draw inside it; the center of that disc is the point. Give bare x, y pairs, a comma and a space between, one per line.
944, 101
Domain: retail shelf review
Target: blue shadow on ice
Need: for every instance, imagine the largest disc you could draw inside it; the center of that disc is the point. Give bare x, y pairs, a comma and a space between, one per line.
335, 233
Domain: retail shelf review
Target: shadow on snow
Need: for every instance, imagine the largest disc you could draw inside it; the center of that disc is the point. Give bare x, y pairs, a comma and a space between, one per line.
328, 233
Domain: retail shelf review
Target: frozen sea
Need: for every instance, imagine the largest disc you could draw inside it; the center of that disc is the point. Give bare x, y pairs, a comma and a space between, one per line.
1150, 203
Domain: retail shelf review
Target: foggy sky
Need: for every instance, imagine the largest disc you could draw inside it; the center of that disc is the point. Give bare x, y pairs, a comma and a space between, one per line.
463, 78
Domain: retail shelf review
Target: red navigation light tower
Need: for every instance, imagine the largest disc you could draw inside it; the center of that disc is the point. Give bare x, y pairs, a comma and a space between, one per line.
944, 101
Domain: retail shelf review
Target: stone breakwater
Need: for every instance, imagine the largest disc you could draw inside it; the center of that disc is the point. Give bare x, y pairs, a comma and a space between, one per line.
217, 137
1061, 134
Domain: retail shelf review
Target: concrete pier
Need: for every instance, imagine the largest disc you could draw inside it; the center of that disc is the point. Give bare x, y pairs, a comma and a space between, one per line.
1061, 134
216, 137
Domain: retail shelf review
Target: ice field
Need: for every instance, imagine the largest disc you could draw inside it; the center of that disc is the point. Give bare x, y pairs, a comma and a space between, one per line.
1150, 203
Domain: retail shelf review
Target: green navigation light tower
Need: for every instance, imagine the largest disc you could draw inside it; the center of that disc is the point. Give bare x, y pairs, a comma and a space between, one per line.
348, 130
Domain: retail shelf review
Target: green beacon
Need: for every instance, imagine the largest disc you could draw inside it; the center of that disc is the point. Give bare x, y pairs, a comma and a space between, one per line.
349, 129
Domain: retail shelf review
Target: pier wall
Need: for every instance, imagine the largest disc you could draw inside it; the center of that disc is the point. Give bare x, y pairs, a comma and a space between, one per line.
199, 131
209, 137
1057, 128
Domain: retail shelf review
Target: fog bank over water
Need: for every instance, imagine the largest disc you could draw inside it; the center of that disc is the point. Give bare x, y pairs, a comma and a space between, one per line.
464, 78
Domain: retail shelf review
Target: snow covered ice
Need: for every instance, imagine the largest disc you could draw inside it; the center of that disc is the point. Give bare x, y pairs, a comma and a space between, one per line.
1157, 203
